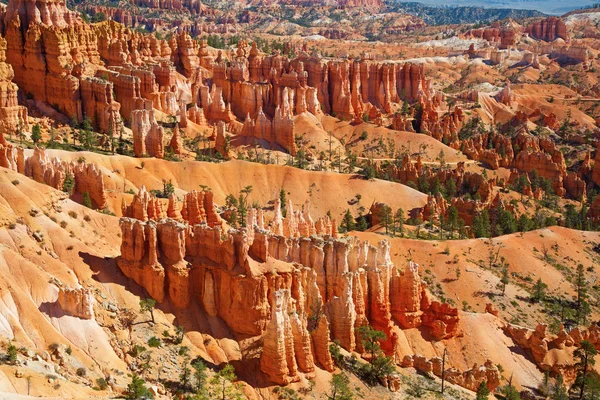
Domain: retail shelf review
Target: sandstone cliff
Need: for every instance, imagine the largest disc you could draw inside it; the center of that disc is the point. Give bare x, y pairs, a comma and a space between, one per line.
337, 284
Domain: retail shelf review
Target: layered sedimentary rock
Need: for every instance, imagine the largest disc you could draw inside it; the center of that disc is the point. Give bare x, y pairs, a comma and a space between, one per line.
443, 128
144, 207
534, 154
548, 29
147, 134
53, 172
414, 172
566, 53
175, 143
197, 208
337, 284
299, 223
553, 352
470, 379
12, 116
78, 302
505, 36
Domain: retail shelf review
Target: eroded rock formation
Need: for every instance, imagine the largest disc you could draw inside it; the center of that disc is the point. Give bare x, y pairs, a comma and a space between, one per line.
79, 302
335, 284
52, 171
13, 117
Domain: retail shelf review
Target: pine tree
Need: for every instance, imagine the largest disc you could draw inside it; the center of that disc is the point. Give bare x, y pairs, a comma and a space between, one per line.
223, 386
482, 391
147, 305
348, 223
36, 133
399, 221
137, 389
362, 223
385, 217
68, 184
201, 376
340, 388
452, 218
585, 354
87, 200
559, 391
539, 291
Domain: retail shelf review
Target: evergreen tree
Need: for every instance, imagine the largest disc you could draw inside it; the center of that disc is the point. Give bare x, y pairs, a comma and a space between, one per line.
242, 205
362, 223
524, 223
68, 184
340, 388
583, 306
380, 365
450, 188
510, 392
385, 217
147, 305
539, 291
137, 389
223, 386
36, 133
559, 392
482, 391
452, 218
399, 221
200, 375
348, 224
481, 224
585, 355
87, 200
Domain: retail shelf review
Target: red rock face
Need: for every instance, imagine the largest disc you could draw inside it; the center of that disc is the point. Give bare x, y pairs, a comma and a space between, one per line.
47, 12
346, 283
52, 171
539, 343
175, 143
12, 116
505, 36
548, 29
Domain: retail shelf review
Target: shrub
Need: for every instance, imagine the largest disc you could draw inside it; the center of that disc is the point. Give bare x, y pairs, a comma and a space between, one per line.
73, 214
137, 350
87, 218
101, 384
81, 371
15, 182
154, 342
11, 353
63, 224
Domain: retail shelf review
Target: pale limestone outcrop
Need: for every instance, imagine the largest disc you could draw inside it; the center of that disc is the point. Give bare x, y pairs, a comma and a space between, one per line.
147, 134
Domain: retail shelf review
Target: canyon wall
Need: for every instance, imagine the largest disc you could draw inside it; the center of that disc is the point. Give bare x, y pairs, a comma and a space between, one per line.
328, 288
